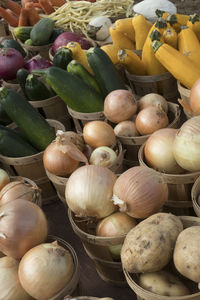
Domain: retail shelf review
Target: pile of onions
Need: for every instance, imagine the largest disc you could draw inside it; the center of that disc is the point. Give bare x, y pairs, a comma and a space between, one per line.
126, 129
140, 192
4, 178
195, 98
158, 151
120, 105
62, 157
103, 156
45, 270
186, 146
151, 119
23, 225
10, 286
99, 133
18, 190
11, 61
153, 99
89, 191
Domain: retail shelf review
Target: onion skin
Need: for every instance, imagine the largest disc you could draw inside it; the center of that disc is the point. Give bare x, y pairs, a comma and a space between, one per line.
151, 119
23, 225
10, 287
46, 265
126, 129
158, 151
4, 178
75, 138
195, 98
120, 105
11, 61
89, 191
99, 133
153, 99
140, 192
186, 147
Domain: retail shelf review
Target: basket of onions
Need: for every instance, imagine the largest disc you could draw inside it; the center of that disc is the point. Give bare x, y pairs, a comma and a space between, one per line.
174, 154
134, 121
104, 208
97, 146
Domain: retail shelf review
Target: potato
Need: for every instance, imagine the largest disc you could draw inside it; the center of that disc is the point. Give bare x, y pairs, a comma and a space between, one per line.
148, 247
163, 283
187, 253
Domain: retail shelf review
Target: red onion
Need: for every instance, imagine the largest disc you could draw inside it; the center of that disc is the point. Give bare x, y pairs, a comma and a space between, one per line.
36, 63
64, 38
11, 61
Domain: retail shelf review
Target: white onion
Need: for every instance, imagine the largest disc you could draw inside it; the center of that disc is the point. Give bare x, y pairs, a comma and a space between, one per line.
153, 99
89, 191
103, 156
45, 269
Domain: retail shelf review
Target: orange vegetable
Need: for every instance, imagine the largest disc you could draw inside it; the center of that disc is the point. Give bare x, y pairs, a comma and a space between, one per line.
57, 3
37, 5
24, 2
46, 6
33, 16
12, 5
8, 17
23, 18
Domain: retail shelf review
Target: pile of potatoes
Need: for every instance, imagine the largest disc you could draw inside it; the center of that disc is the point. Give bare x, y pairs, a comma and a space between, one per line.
164, 255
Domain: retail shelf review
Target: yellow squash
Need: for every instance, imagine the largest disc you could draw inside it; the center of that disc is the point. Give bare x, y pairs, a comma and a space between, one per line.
132, 62
194, 24
111, 50
79, 54
179, 65
125, 26
141, 27
120, 39
170, 36
177, 20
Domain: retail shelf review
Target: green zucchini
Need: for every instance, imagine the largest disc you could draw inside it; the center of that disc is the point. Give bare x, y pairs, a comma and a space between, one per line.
4, 118
42, 31
22, 33
28, 42
35, 128
72, 90
62, 57
35, 89
21, 76
106, 75
13, 44
13, 145
79, 70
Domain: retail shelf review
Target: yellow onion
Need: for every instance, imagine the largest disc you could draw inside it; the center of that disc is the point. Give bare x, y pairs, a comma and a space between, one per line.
4, 178
158, 151
99, 133
62, 157
151, 119
140, 192
23, 225
45, 270
126, 129
153, 99
18, 189
195, 98
120, 105
103, 156
89, 191
186, 146
10, 286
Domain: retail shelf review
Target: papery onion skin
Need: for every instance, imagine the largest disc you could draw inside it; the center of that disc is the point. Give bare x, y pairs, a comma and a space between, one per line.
153, 99
195, 98
140, 192
151, 119
99, 133
186, 146
120, 105
4, 178
126, 129
158, 151
75, 138
103, 156
89, 191
23, 225
10, 286
45, 270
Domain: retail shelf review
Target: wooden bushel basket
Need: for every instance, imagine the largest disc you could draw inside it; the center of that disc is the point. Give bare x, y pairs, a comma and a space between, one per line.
132, 144
143, 294
32, 167
179, 186
4, 31
195, 194
72, 285
97, 249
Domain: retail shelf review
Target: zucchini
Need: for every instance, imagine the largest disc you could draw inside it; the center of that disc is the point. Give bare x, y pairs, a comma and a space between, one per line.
13, 44
21, 79
4, 118
42, 31
56, 32
72, 90
62, 57
79, 70
13, 145
28, 42
35, 128
22, 33
35, 89
105, 73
